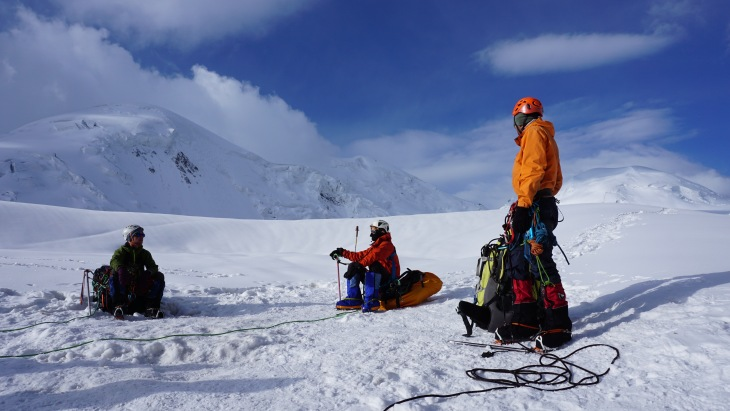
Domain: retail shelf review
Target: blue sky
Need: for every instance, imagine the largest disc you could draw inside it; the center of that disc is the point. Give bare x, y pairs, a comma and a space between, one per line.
425, 85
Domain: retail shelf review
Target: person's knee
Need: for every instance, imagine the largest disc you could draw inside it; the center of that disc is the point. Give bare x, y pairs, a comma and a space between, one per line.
124, 277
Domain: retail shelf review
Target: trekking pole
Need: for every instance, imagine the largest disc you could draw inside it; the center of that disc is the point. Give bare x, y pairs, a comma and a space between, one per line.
357, 231
88, 290
339, 287
81, 297
86, 278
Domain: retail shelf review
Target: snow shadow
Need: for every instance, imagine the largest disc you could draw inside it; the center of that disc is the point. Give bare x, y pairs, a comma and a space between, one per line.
627, 305
16, 366
120, 393
205, 306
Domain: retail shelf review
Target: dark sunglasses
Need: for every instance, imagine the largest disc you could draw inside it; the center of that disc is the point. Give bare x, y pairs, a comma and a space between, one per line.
138, 235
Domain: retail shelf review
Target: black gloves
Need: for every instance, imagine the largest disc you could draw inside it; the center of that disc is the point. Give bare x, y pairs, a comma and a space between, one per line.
521, 220
337, 253
353, 269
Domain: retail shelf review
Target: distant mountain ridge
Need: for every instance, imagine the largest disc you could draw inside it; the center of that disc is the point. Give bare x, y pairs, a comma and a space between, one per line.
637, 185
148, 159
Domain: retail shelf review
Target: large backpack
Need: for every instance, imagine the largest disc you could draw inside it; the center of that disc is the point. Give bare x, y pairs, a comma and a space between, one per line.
493, 295
100, 288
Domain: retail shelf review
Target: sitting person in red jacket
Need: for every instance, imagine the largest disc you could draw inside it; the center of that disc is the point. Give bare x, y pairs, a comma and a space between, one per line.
374, 267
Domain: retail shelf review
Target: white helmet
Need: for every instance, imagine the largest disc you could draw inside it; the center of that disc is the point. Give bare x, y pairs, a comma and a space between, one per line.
381, 224
129, 230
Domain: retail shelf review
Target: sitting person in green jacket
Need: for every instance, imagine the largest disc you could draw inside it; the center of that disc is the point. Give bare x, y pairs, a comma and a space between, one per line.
136, 284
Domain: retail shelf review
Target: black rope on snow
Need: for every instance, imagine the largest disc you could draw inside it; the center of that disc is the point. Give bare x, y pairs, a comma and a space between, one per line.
551, 371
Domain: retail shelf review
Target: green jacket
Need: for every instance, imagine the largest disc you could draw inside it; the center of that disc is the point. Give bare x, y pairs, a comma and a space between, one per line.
133, 258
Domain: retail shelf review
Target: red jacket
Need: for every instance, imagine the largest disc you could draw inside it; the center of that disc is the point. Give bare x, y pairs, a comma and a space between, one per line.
382, 251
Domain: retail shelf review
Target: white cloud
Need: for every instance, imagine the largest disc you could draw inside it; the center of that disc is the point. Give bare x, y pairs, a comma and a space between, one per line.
477, 165
675, 15
474, 165
51, 68
7, 72
710, 179
637, 126
407, 149
568, 52
265, 125
183, 23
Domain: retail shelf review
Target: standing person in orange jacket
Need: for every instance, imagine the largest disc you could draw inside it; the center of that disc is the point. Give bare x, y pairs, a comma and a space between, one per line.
374, 267
536, 179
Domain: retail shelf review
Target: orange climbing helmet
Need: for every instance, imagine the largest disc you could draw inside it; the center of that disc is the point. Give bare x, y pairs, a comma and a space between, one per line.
527, 105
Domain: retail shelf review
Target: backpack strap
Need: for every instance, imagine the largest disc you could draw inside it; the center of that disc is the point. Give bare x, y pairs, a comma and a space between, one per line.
393, 272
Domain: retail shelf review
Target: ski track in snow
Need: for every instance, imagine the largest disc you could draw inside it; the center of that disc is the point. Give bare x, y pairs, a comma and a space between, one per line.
594, 237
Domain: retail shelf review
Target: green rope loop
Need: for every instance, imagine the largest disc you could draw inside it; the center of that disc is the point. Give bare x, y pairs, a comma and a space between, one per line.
162, 337
544, 278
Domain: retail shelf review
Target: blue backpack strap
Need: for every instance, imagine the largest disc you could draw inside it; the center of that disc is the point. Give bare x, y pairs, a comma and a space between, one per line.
393, 273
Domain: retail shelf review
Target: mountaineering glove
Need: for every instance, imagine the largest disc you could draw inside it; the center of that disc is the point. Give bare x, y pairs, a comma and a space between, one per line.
336, 253
521, 221
355, 269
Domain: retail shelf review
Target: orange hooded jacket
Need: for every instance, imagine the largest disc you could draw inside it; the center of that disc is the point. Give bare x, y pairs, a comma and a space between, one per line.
380, 250
537, 164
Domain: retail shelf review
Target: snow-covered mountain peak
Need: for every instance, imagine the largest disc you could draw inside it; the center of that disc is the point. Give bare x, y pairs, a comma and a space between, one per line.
637, 185
149, 159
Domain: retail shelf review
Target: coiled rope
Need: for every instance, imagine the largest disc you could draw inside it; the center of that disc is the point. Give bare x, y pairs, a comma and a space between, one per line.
552, 373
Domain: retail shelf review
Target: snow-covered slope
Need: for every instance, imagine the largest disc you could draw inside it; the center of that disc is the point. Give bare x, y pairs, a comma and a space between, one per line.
132, 158
637, 185
251, 323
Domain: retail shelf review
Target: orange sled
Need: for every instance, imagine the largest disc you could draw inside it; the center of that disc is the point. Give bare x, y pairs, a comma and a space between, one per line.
428, 285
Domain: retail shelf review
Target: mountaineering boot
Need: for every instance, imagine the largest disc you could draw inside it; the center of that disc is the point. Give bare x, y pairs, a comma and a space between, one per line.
556, 326
523, 325
153, 313
372, 293
556, 329
353, 301
118, 313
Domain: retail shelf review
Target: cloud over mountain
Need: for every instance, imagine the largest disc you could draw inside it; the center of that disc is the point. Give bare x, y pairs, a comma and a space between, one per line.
148, 159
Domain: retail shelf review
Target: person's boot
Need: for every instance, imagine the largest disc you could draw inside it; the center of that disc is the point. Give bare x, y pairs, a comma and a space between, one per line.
353, 301
556, 329
119, 313
372, 293
523, 325
154, 313
556, 326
